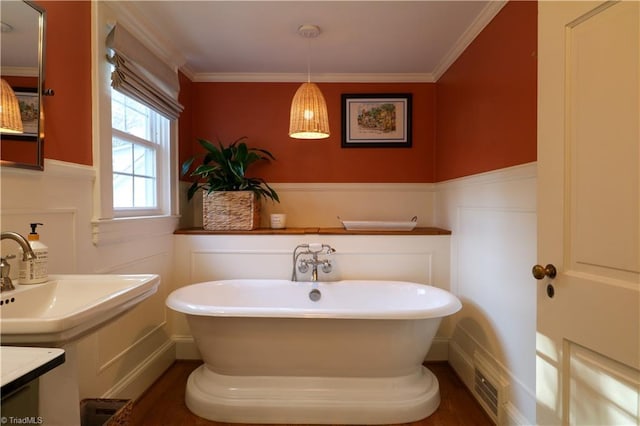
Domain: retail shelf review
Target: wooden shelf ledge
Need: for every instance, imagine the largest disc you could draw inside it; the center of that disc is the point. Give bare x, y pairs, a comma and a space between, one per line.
312, 230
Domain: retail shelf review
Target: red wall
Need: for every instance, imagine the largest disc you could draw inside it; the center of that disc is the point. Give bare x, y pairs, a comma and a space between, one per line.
486, 101
260, 111
20, 81
484, 106
68, 73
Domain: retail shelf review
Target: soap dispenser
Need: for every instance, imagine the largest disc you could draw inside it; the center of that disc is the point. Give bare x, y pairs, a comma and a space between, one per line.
34, 271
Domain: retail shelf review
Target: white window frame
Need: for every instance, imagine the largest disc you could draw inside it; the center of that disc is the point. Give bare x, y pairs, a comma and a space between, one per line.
160, 145
104, 14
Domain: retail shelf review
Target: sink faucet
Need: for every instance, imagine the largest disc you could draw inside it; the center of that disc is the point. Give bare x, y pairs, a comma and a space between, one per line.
311, 250
5, 268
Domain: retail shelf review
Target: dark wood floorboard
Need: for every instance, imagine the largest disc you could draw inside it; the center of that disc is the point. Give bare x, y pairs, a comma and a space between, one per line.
163, 404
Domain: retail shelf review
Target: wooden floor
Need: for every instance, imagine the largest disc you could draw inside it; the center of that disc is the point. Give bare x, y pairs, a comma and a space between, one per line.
163, 403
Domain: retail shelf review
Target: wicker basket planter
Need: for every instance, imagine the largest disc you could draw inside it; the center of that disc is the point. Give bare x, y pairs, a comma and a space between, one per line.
230, 210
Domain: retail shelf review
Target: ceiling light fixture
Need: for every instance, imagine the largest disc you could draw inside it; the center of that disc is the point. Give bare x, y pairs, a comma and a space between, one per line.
10, 120
309, 118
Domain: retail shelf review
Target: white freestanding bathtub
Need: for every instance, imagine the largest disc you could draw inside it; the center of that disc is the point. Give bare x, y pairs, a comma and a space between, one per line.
273, 355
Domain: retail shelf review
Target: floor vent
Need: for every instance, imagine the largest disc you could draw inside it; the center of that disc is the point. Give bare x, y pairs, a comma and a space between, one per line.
489, 387
487, 392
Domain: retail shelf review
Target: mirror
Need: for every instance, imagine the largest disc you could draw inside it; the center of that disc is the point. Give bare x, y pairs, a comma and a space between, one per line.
22, 59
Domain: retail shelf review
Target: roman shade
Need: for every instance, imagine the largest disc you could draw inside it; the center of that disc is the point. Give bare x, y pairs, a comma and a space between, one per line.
142, 75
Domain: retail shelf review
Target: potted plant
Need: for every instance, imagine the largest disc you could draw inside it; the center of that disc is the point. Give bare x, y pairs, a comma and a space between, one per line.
231, 200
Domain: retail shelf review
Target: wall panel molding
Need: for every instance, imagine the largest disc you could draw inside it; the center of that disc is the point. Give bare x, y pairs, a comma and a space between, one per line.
519, 172
58, 233
135, 345
53, 168
107, 364
492, 217
138, 380
117, 231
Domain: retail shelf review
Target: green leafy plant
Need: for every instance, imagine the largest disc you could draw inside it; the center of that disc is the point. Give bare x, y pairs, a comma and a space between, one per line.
223, 168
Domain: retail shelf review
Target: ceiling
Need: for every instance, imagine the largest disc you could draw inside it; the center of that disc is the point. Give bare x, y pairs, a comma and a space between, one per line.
19, 39
359, 40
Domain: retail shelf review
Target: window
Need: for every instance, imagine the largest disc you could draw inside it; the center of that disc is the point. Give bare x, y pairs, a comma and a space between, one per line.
135, 133
140, 138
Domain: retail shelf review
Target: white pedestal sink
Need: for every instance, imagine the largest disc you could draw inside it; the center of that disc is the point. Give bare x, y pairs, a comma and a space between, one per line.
59, 312
67, 307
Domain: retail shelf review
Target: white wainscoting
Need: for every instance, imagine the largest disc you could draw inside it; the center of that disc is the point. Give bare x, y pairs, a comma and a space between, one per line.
486, 262
493, 220
125, 357
423, 259
58, 233
320, 204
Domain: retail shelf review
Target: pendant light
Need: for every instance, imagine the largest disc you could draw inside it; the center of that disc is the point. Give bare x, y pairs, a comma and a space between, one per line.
10, 120
309, 118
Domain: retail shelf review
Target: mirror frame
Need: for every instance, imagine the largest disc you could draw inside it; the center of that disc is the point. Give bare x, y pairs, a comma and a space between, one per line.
39, 161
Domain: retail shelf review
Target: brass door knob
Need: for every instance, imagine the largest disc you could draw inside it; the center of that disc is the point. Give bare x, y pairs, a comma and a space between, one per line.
539, 271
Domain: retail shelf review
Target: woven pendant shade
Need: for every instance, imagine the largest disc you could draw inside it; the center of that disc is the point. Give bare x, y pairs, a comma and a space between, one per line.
9, 110
309, 118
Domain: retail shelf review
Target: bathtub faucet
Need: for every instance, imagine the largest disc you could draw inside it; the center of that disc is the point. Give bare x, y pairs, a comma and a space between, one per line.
310, 258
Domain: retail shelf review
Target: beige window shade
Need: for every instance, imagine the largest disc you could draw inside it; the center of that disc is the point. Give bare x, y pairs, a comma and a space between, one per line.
141, 75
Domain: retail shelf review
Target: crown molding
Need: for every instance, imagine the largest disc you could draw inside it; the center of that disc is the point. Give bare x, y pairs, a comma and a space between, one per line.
152, 37
149, 35
20, 71
316, 78
488, 13
188, 72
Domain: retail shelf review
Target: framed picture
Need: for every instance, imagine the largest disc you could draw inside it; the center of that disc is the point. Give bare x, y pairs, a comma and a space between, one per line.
376, 120
29, 109
29, 112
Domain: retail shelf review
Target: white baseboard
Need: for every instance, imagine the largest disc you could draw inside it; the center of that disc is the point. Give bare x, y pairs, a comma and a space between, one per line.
186, 347
439, 350
145, 374
513, 417
463, 364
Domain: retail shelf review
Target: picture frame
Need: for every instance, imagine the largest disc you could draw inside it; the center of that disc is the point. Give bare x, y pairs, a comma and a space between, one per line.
29, 111
377, 120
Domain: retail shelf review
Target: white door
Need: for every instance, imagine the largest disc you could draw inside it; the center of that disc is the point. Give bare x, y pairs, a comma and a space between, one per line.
588, 345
